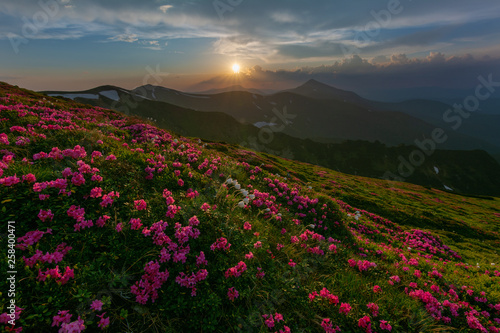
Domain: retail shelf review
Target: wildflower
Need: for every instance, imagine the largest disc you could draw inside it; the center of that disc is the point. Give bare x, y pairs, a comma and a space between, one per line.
313, 295
200, 260
268, 320
96, 305
135, 224
61, 317
345, 308
365, 323
260, 273
104, 322
220, 244
257, 244
29, 178
373, 308
385, 326
74, 327
45, 215
232, 294
140, 204
291, 263
119, 227
247, 226
328, 326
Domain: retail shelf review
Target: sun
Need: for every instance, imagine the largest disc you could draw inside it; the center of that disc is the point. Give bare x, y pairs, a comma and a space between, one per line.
236, 68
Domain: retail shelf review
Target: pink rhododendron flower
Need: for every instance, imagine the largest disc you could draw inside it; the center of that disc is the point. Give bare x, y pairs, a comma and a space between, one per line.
232, 294
45, 215
140, 204
96, 305
345, 308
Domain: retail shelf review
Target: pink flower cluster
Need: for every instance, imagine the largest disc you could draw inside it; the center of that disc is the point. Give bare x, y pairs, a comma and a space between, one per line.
191, 281
269, 320
220, 244
54, 257
232, 294
140, 204
151, 281
328, 326
30, 238
325, 293
362, 265
45, 215
55, 274
236, 271
184, 233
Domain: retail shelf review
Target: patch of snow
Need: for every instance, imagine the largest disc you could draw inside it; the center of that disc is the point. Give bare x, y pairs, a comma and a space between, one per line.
436, 169
111, 94
195, 96
153, 93
254, 96
448, 188
149, 99
258, 107
261, 124
73, 96
273, 103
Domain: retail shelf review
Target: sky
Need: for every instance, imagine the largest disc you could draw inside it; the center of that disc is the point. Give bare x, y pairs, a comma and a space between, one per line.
363, 45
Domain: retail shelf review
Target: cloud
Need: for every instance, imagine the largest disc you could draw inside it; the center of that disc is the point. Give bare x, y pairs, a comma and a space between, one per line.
362, 75
165, 8
129, 38
285, 17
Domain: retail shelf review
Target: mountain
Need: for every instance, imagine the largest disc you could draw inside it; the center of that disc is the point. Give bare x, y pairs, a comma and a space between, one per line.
318, 111
476, 174
119, 225
231, 88
317, 90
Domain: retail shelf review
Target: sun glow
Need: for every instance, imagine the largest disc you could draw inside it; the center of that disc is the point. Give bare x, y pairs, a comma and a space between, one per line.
236, 68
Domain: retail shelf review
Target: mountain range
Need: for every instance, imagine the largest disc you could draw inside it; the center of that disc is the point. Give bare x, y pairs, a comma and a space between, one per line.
323, 125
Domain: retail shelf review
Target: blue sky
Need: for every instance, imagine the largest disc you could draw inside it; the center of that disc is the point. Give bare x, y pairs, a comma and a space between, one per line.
192, 45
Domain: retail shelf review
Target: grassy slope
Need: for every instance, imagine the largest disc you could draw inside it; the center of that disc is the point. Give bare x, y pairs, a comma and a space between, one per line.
464, 171
107, 262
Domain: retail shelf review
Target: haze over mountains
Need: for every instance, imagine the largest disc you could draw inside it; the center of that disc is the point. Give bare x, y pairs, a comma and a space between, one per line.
314, 122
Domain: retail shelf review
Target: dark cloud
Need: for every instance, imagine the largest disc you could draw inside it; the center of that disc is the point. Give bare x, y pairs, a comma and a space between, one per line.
361, 75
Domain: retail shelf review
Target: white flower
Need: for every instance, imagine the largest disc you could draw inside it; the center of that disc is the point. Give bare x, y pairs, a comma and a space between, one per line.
237, 186
241, 204
229, 181
312, 226
252, 196
267, 210
310, 187
246, 201
244, 192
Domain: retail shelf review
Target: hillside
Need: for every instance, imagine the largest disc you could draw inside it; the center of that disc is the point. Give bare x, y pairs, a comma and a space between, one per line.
471, 172
121, 226
316, 110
